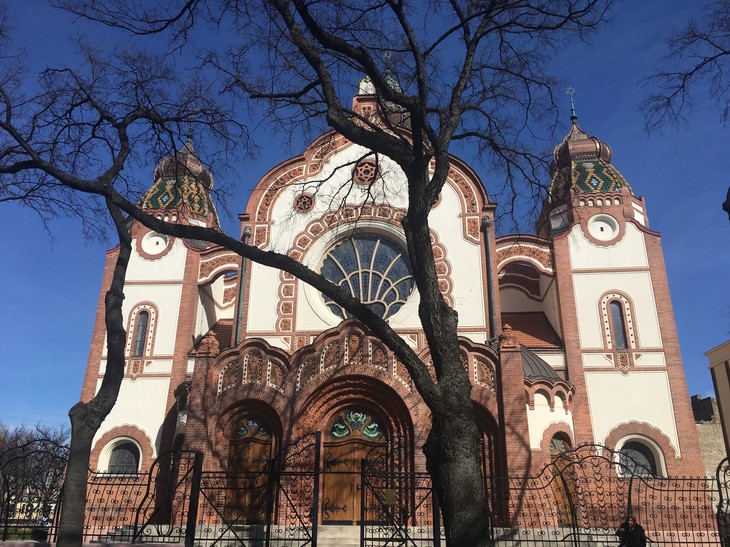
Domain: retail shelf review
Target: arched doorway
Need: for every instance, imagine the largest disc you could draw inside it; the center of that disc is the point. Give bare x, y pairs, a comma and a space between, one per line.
349, 437
563, 483
250, 449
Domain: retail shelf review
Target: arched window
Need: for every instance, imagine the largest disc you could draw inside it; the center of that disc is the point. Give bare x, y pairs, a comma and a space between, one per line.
619, 325
124, 459
140, 334
559, 445
636, 458
373, 269
617, 318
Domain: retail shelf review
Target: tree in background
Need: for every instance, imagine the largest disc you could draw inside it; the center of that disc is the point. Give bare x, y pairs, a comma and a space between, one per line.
32, 464
443, 72
699, 57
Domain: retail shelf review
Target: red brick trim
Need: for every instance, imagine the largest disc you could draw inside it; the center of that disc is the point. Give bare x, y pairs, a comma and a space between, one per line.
120, 432
649, 432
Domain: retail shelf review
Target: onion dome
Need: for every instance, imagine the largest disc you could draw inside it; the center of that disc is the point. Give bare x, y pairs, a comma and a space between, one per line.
182, 183
583, 162
536, 368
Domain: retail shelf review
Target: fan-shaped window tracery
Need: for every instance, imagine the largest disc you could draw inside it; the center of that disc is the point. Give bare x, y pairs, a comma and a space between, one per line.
373, 269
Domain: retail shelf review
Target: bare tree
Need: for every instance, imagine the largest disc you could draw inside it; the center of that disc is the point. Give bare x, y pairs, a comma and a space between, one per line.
32, 464
699, 61
445, 72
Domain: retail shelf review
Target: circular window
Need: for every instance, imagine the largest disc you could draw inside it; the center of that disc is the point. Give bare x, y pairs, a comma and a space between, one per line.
154, 243
603, 227
373, 269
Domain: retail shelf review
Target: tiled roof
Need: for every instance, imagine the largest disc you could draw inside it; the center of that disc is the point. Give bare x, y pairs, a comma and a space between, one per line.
532, 329
535, 368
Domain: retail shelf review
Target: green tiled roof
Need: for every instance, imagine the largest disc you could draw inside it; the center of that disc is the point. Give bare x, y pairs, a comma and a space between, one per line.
587, 177
184, 193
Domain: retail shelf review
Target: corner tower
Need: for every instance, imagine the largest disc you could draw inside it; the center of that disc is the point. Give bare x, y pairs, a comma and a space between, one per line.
616, 315
165, 311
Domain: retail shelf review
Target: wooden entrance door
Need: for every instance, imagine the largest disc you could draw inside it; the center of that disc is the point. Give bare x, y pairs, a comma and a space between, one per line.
347, 441
250, 451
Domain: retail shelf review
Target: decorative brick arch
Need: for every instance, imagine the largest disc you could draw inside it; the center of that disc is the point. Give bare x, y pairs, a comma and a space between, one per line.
345, 350
551, 389
216, 262
317, 409
147, 448
550, 432
461, 178
649, 432
521, 248
221, 431
253, 362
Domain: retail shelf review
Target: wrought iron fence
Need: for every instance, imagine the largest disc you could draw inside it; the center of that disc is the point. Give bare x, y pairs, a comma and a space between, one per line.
580, 498
32, 475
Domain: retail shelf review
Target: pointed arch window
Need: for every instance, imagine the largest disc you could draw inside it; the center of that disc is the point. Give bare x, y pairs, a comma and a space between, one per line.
140, 333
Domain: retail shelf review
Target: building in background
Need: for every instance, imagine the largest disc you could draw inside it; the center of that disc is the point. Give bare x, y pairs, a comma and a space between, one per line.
568, 335
719, 358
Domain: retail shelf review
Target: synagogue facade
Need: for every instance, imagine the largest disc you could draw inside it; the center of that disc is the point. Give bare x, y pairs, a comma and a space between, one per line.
567, 334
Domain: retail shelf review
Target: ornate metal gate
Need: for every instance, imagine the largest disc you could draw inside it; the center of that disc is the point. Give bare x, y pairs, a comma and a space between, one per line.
580, 498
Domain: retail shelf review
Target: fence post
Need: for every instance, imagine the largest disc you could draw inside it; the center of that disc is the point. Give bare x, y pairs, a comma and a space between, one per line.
194, 499
436, 517
315, 501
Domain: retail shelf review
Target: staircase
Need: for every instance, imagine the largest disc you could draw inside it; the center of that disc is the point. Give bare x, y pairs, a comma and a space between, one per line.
338, 536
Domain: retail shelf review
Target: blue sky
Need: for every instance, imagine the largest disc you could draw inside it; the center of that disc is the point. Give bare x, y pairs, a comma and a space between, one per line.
49, 282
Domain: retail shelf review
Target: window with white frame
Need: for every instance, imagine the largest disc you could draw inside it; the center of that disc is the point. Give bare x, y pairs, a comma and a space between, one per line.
124, 458
638, 457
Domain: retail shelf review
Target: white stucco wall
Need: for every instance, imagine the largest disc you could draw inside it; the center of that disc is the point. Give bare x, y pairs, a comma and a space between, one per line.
589, 288
641, 396
330, 188
629, 252
141, 402
541, 417
169, 267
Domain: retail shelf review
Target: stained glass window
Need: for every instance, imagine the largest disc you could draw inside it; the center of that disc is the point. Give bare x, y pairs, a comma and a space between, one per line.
619, 326
374, 270
140, 336
355, 422
252, 427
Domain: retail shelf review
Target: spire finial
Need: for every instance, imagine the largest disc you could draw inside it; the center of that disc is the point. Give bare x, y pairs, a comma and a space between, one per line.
190, 133
570, 91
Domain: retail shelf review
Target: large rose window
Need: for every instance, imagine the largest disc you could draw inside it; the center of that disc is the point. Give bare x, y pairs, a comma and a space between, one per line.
373, 269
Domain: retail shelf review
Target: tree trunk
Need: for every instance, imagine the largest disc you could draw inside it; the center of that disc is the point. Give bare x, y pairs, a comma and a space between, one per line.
84, 426
86, 418
454, 463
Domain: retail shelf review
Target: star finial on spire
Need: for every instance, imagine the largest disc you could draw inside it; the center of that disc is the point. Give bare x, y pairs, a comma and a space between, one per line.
570, 91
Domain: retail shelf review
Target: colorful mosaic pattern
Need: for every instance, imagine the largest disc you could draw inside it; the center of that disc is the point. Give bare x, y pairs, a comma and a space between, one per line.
587, 177
354, 421
185, 193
